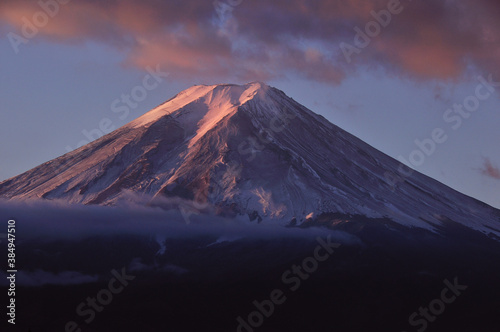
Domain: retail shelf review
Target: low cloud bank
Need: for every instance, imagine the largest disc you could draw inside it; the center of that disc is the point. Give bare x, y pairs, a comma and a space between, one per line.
56, 220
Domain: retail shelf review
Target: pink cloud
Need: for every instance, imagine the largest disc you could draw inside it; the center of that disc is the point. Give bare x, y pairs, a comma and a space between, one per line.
263, 40
490, 170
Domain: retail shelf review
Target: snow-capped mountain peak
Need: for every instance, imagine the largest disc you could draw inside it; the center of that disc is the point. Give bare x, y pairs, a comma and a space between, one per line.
215, 101
247, 150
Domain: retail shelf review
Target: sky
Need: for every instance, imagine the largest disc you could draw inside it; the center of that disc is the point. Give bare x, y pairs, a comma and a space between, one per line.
415, 79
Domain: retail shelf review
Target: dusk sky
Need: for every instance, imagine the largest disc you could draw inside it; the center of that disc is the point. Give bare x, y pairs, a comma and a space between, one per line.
392, 73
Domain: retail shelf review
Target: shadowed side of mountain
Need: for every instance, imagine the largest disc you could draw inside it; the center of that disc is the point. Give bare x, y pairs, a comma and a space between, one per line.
247, 150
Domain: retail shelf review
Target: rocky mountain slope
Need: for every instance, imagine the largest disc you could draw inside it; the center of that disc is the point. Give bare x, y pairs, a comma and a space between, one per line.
247, 150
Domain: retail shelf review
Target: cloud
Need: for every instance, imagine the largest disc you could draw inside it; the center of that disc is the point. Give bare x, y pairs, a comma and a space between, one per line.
49, 228
48, 221
261, 40
490, 170
137, 265
40, 278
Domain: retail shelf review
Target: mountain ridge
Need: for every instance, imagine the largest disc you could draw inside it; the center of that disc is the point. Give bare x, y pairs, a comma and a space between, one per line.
247, 149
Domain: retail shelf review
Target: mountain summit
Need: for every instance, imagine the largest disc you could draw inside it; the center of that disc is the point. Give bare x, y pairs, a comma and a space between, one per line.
247, 150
